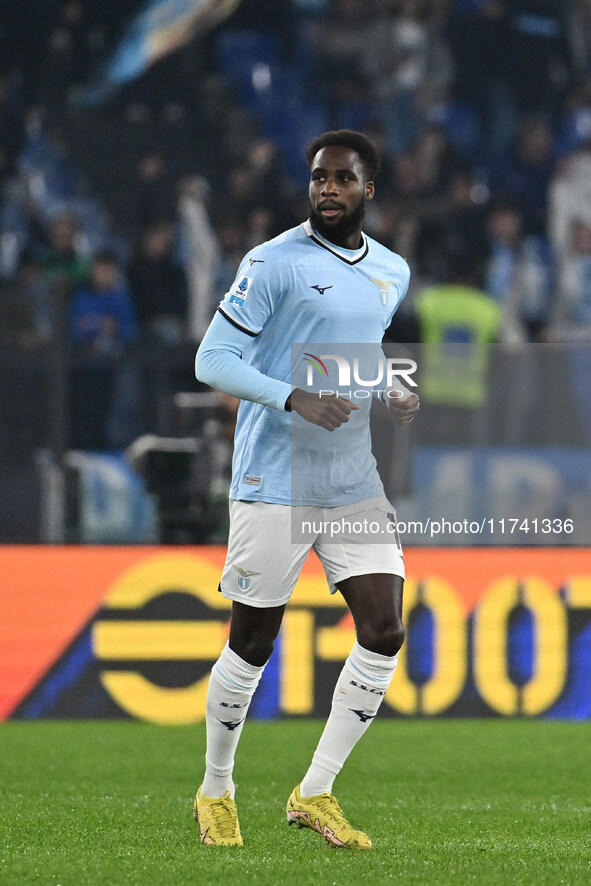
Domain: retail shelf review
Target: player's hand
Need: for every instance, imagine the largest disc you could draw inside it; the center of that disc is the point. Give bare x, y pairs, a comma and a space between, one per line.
403, 406
328, 412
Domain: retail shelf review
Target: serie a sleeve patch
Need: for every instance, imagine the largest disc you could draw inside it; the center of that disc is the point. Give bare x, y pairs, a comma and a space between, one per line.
239, 291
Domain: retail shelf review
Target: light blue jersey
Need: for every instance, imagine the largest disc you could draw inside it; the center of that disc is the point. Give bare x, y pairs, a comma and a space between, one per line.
293, 297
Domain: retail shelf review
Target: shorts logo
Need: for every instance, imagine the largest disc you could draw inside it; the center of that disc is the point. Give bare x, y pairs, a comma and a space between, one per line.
240, 291
244, 577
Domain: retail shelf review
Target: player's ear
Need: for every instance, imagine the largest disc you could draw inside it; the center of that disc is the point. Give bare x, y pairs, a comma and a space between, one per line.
369, 190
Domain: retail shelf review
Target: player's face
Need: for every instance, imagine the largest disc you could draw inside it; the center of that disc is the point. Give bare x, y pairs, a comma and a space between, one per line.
338, 192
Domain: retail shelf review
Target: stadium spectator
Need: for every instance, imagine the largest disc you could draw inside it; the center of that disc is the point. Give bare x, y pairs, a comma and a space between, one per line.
571, 319
339, 44
11, 129
159, 285
406, 58
155, 190
454, 224
457, 321
200, 250
539, 54
518, 273
478, 38
65, 264
523, 172
569, 204
102, 316
579, 35
103, 389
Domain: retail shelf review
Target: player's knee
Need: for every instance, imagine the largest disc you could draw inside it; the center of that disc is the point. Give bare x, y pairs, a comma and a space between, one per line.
385, 639
255, 649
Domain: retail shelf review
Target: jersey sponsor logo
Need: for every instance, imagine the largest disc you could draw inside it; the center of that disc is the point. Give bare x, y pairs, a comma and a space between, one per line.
256, 261
321, 289
244, 576
251, 481
240, 291
384, 286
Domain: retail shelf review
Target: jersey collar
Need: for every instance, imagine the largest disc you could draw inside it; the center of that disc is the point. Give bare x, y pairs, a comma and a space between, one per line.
350, 256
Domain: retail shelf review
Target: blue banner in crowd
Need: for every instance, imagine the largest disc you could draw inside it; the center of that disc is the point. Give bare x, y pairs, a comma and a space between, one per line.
161, 27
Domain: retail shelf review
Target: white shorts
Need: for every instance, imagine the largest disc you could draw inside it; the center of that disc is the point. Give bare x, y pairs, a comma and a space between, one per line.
269, 544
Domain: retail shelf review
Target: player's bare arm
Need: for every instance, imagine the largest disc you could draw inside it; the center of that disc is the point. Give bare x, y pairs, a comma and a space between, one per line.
328, 412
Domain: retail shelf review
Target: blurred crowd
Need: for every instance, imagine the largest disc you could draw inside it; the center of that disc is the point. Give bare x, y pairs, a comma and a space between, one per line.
481, 110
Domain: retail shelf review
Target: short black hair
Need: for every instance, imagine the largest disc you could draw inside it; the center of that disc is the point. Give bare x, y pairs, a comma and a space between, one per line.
347, 138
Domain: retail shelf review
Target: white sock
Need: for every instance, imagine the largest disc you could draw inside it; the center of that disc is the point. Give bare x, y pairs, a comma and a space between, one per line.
358, 694
231, 688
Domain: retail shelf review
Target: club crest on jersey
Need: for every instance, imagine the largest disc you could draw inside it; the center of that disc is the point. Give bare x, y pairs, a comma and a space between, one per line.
384, 286
240, 291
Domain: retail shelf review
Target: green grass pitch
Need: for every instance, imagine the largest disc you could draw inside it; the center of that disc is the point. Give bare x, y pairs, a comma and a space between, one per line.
446, 802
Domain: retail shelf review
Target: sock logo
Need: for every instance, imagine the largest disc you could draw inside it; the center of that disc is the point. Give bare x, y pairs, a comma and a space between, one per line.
231, 725
362, 715
368, 688
225, 704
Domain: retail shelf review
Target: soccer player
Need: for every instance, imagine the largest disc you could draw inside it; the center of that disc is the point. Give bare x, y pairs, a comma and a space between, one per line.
323, 281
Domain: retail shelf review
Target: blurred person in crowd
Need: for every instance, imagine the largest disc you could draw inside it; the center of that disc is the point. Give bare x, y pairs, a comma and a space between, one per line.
12, 129
478, 39
575, 126
518, 273
569, 203
217, 442
231, 236
73, 46
457, 321
260, 227
522, 174
436, 159
406, 188
406, 57
240, 191
539, 54
159, 285
264, 175
103, 391
454, 219
66, 266
102, 315
200, 252
571, 317
340, 44
579, 36
155, 191
35, 292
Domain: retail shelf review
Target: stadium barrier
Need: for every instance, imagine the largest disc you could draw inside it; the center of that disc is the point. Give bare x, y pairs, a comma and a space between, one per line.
110, 632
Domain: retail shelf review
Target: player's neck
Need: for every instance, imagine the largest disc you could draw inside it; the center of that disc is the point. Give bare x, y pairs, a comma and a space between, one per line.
353, 241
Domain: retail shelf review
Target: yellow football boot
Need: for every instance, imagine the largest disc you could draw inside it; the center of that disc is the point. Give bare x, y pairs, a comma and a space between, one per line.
217, 819
324, 815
